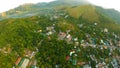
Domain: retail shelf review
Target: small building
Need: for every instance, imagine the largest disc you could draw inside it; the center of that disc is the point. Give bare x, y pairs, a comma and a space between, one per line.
114, 62
21, 62
17, 61
72, 52
67, 58
80, 25
39, 31
50, 33
87, 66
81, 63
76, 43
95, 24
119, 43
33, 66
50, 28
61, 36
105, 47
68, 38
106, 30
25, 63
57, 66
66, 16
75, 39
101, 41
32, 54
55, 16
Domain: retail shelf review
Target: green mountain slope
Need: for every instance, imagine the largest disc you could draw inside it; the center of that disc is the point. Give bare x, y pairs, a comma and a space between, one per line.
113, 14
92, 15
61, 35
29, 9
19, 36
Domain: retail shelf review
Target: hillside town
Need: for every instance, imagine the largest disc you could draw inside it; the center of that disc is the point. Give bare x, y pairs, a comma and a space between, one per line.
61, 43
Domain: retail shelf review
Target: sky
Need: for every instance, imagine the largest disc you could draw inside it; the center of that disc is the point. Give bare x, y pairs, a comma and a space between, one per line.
107, 3
5, 5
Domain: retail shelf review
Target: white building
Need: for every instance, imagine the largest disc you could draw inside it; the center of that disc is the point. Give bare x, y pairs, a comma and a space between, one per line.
25, 63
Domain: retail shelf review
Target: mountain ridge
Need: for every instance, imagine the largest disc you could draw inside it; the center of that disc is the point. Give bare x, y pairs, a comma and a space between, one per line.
27, 10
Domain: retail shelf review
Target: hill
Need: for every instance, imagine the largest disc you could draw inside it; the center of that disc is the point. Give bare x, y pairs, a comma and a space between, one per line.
27, 10
53, 38
113, 14
59, 34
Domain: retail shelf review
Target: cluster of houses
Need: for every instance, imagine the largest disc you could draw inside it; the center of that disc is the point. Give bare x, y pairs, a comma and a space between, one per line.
115, 62
73, 53
27, 60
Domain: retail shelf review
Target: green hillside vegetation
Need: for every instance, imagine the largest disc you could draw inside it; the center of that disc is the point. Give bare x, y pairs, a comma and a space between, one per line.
113, 14
76, 9
59, 34
17, 35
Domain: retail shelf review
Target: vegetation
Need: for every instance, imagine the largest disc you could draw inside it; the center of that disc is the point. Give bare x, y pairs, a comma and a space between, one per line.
20, 35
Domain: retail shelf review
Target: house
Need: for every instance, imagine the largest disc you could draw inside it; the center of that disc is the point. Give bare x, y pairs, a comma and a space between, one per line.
95, 24
93, 58
68, 31
49, 33
61, 35
57, 66
74, 62
55, 16
39, 31
25, 63
105, 47
21, 62
67, 58
119, 43
99, 65
81, 63
82, 41
75, 39
118, 59
80, 25
87, 66
18, 60
72, 52
76, 43
101, 41
33, 64
84, 45
105, 30
114, 63
68, 38
66, 16
28, 53
50, 28
32, 55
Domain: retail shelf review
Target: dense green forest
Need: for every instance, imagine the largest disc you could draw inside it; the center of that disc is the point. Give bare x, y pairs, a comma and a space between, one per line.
42, 32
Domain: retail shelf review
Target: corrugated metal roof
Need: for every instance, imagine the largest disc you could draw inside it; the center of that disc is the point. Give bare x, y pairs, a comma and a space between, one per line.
22, 60
17, 61
25, 63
